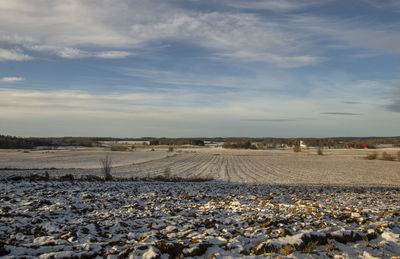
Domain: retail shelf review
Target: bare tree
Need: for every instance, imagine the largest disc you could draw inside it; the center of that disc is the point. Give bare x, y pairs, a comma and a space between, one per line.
106, 164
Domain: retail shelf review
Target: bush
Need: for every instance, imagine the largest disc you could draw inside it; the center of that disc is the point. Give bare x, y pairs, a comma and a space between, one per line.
67, 177
239, 145
387, 157
398, 156
170, 149
319, 152
36, 177
119, 148
91, 178
166, 177
372, 156
106, 163
297, 148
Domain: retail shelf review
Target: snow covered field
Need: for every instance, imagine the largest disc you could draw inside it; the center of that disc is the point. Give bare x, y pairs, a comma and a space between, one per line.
72, 159
245, 166
262, 203
203, 220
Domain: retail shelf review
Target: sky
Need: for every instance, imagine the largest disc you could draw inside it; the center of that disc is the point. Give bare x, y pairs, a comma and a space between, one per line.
128, 68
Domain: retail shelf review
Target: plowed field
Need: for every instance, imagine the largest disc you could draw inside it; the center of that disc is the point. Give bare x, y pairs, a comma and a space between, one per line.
245, 166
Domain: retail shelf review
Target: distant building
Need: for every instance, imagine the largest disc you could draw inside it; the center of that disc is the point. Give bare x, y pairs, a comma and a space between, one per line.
357, 145
302, 145
213, 144
283, 146
384, 146
125, 142
258, 144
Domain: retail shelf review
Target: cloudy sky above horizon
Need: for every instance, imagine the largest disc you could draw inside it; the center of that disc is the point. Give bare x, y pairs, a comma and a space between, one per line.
277, 68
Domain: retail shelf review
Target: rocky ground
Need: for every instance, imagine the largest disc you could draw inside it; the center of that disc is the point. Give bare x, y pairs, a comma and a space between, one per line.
71, 219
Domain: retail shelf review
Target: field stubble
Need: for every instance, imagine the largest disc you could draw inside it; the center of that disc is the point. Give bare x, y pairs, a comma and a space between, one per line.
244, 166
262, 203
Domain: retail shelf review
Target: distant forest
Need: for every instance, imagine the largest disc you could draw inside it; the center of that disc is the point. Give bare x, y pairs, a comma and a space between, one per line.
28, 143
11, 142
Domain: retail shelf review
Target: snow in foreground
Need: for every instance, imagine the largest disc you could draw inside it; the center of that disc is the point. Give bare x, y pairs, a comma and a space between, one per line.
211, 219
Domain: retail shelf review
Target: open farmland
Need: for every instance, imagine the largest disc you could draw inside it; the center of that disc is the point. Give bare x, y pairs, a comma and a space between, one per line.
245, 166
273, 203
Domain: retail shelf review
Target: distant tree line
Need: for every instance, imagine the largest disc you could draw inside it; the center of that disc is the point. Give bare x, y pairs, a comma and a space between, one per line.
8, 142
231, 142
338, 142
242, 145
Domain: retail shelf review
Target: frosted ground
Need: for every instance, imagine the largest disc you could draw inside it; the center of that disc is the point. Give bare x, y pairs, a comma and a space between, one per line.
342, 166
261, 204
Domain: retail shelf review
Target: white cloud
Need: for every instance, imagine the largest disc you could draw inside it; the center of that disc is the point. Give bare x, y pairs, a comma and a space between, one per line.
393, 98
281, 61
11, 79
72, 28
392, 5
274, 5
245, 37
79, 29
252, 81
183, 78
138, 104
71, 53
166, 105
350, 33
166, 114
13, 54
77, 53
112, 54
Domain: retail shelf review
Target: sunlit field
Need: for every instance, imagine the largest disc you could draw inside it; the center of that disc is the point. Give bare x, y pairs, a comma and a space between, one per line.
198, 203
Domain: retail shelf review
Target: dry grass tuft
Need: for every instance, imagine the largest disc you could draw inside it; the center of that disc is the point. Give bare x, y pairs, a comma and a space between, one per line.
119, 148
331, 247
297, 149
286, 250
311, 246
387, 157
372, 156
